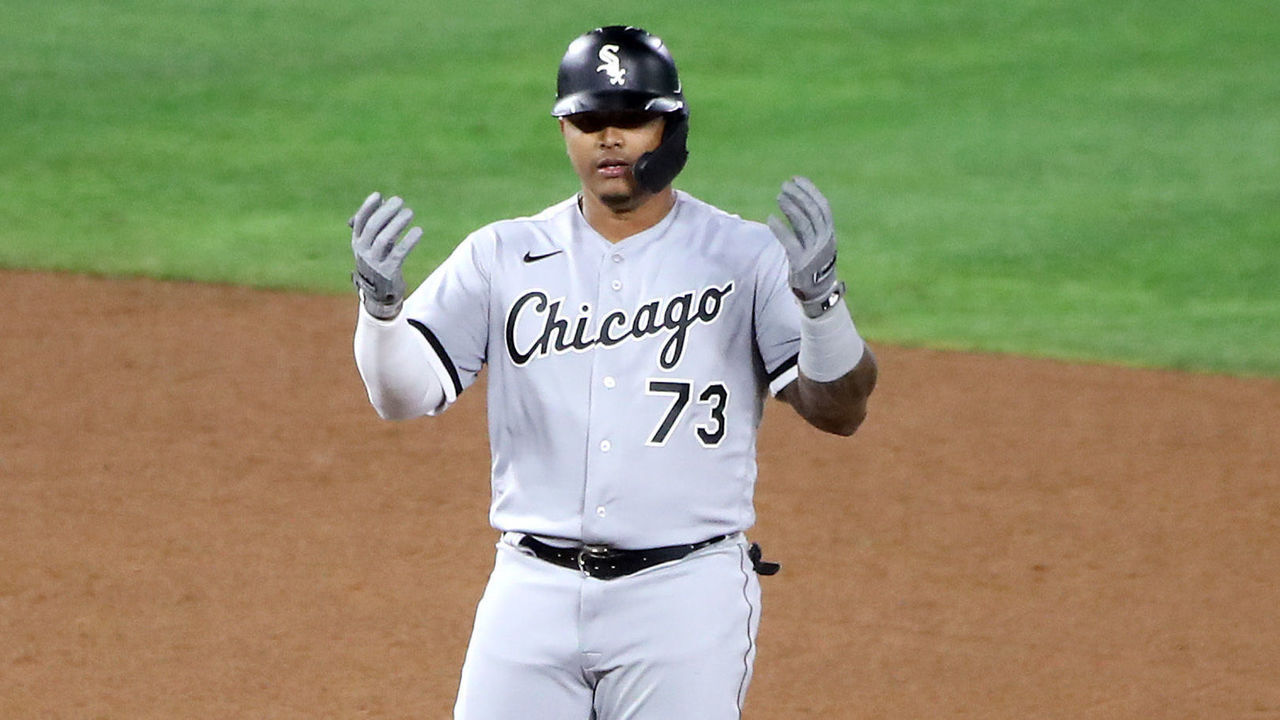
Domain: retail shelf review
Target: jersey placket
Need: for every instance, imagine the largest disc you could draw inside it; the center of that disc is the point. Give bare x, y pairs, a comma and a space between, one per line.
603, 448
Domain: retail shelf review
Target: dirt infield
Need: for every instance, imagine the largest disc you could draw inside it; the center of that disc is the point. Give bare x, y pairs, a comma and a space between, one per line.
201, 517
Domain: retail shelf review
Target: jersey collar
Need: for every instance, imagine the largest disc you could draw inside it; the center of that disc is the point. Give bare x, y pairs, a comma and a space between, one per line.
631, 241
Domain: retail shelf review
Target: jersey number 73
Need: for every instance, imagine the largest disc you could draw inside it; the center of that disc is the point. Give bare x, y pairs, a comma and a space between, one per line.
715, 396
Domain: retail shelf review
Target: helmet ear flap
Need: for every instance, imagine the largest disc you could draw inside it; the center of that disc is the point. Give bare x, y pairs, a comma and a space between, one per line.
656, 169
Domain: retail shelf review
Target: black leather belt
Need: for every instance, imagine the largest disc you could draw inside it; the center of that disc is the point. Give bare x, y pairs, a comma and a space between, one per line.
606, 563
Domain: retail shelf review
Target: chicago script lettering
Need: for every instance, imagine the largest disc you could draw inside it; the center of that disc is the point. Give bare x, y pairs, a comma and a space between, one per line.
559, 334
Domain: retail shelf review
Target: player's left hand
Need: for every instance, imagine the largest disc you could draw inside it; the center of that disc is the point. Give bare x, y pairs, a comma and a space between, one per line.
379, 273
810, 242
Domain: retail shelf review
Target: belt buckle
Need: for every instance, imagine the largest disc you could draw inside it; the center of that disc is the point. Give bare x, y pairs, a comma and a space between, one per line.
594, 552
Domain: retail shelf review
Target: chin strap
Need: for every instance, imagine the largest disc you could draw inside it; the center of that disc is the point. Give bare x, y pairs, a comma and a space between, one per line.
657, 168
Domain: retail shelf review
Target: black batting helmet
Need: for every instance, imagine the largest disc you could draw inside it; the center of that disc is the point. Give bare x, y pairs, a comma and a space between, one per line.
617, 68
625, 68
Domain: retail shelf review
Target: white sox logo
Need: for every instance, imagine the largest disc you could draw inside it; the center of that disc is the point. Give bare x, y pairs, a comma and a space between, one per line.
675, 315
609, 56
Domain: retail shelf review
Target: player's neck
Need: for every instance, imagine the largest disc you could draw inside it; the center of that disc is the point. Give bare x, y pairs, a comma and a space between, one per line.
616, 225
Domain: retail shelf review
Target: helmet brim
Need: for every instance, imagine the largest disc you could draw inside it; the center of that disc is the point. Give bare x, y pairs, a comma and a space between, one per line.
615, 101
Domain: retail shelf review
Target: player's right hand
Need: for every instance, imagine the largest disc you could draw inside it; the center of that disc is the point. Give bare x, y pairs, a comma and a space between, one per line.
379, 273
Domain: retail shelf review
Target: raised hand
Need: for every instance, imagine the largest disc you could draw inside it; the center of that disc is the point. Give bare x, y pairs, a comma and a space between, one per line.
379, 273
810, 242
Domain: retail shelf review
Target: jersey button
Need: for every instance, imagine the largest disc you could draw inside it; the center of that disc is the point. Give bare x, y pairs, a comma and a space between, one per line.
600, 511
605, 446
617, 258
609, 382
616, 285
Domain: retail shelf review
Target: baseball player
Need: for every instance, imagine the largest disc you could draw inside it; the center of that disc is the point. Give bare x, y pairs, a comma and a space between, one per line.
632, 334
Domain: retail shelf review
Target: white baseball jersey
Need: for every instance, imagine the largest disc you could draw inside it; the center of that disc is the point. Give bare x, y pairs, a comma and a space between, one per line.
626, 380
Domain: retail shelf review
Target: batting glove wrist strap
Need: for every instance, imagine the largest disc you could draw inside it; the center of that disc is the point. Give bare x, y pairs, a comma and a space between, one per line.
817, 307
386, 308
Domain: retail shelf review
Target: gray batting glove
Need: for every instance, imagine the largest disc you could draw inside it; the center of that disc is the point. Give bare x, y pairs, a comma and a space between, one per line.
380, 258
810, 242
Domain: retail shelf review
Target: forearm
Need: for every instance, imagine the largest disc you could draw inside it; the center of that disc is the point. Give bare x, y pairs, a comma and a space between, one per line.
838, 406
394, 363
837, 373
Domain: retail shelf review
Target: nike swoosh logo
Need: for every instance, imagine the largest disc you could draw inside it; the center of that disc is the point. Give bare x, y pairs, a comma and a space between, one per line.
535, 258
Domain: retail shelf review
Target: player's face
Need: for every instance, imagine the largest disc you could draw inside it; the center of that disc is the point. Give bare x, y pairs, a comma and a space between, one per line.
603, 148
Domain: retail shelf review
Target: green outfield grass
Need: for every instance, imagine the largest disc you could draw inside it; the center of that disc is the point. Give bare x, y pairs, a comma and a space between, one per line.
1085, 180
